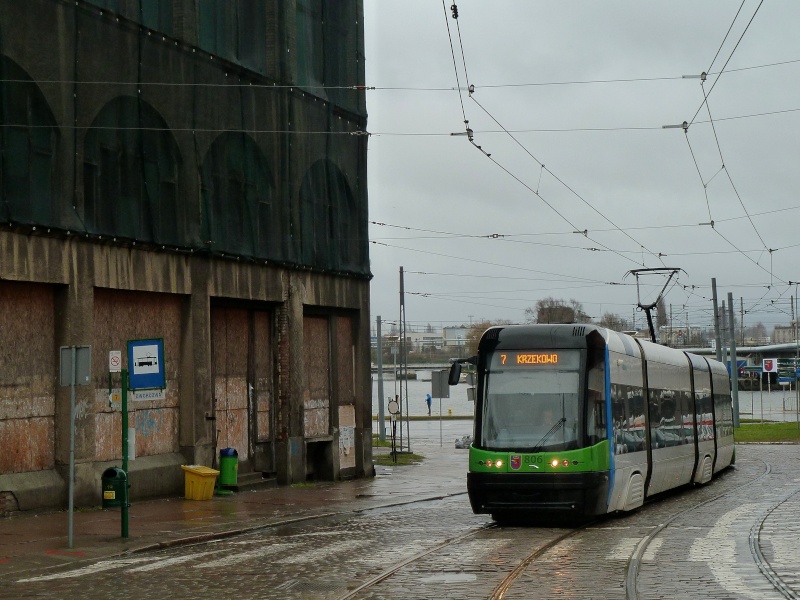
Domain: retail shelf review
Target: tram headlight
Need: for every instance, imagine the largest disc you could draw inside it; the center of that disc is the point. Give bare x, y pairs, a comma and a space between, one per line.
554, 463
489, 462
498, 464
565, 462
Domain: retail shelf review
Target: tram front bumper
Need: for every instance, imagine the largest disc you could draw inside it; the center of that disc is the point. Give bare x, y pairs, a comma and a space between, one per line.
577, 493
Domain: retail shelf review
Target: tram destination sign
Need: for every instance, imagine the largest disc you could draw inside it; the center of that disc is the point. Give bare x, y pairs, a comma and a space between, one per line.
523, 359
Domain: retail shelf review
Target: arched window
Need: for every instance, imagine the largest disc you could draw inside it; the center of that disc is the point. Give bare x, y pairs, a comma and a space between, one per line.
27, 148
331, 235
131, 174
240, 215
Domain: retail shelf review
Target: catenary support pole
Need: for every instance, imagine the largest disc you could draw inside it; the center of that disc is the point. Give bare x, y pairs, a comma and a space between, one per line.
381, 421
734, 364
723, 339
716, 319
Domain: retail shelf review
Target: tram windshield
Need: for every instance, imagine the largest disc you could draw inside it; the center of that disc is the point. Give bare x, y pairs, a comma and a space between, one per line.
531, 401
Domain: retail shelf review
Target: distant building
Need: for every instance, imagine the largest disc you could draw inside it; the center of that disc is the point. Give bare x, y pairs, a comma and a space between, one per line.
195, 172
455, 336
783, 334
420, 341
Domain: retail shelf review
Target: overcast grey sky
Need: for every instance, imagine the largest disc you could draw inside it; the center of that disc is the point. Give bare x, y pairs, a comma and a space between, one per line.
570, 100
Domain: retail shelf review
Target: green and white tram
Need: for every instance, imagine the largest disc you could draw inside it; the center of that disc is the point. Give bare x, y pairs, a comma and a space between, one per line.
582, 420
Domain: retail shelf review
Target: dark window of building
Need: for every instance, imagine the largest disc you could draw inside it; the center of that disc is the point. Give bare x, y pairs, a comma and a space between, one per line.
131, 176
326, 48
234, 30
239, 210
310, 44
27, 148
157, 15
330, 233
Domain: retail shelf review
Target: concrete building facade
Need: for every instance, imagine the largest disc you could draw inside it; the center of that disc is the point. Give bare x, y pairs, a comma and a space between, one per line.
192, 171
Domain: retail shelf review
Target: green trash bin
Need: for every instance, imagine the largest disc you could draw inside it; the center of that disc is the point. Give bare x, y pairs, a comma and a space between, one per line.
228, 466
114, 483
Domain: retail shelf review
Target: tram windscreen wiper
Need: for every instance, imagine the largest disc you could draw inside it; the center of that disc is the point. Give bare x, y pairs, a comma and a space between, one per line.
547, 435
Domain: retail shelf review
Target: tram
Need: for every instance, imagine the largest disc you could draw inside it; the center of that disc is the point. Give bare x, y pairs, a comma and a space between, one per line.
581, 420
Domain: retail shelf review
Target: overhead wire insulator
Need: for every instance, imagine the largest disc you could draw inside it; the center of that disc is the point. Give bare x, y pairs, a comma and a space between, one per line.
454, 8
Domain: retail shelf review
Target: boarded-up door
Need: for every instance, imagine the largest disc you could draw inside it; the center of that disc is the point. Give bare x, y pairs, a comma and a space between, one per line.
317, 393
241, 364
345, 388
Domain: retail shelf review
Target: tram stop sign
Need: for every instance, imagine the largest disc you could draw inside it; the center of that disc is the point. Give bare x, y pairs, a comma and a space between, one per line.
146, 362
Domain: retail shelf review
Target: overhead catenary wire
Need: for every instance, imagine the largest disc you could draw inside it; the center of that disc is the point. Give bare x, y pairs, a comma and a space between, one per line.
535, 192
730, 56
305, 87
740, 244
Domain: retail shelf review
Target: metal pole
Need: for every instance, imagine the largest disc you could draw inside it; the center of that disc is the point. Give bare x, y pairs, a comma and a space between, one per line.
796, 356
72, 442
400, 346
741, 317
734, 364
404, 360
381, 414
722, 327
716, 318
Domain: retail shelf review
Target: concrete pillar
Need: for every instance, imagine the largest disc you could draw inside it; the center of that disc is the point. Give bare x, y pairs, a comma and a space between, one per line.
363, 388
74, 326
290, 461
196, 427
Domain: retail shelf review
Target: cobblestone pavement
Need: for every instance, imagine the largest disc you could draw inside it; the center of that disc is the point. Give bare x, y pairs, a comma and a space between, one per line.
735, 538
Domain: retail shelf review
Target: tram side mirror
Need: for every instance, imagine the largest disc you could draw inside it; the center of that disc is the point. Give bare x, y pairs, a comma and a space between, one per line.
455, 374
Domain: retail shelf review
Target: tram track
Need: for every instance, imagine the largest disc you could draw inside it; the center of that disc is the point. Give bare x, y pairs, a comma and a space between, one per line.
372, 582
553, 541
763, 564
500, 591
632, 567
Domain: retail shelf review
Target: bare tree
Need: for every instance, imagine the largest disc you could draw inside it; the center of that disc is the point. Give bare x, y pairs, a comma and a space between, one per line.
556, 310
612, 321
580, 315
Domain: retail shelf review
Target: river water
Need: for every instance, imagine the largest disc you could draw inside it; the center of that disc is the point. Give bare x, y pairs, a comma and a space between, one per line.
423, 431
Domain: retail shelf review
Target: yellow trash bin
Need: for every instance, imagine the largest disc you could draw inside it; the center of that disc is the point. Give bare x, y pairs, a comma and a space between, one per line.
200, 482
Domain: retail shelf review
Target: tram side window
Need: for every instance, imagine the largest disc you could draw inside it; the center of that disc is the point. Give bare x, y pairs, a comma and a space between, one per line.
668, 404
705, 416
723, 411
595, 398
627, 404
665, 426
687, 422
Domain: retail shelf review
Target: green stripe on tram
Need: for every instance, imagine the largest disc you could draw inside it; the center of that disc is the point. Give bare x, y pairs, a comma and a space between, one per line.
593, 458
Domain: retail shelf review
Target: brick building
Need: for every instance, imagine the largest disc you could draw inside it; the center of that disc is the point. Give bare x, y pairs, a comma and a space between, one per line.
192, 171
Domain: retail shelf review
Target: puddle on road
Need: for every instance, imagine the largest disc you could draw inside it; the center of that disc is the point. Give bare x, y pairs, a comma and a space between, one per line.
450, 578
